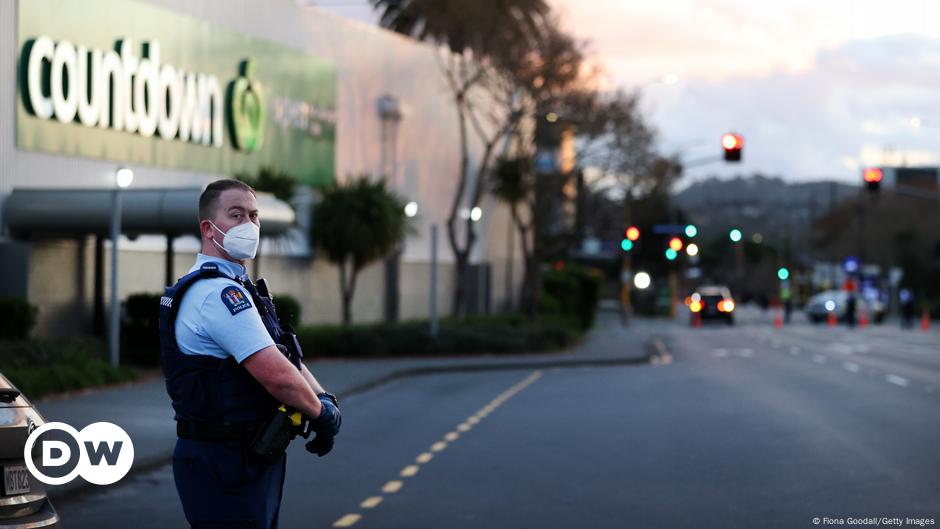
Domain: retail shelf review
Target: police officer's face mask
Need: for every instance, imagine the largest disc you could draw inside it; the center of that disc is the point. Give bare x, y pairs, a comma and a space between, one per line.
240, 242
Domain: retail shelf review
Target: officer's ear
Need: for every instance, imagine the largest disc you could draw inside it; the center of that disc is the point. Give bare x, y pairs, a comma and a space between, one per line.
206, 229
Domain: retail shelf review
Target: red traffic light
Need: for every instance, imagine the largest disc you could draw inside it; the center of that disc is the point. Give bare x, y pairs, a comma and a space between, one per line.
732, 144
633, 233
675, 243
873, 176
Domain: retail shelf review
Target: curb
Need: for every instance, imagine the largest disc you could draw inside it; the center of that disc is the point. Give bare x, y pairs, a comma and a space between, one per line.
655, 353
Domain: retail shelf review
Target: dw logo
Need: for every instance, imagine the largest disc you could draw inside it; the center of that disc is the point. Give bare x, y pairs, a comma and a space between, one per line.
102, 453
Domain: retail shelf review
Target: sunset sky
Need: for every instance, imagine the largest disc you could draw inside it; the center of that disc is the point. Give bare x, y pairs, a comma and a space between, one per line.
819, 89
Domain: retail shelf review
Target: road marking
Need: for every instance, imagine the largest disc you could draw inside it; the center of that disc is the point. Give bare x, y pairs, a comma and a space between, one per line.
819, 359
851, 367
347, 520
841, 348
897, 381
795, 351
746, 353
409, 471
721, 353
371, 502
392, 487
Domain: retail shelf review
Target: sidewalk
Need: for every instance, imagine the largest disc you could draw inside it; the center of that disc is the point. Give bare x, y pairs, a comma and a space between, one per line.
143, 409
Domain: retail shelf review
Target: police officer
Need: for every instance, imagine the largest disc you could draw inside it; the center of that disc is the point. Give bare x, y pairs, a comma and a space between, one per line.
229, 366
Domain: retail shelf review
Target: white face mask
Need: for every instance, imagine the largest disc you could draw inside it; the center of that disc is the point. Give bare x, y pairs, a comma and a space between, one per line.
240, 242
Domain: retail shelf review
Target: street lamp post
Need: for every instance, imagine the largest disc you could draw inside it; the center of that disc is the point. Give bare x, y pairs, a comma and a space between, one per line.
123, 179
390, 113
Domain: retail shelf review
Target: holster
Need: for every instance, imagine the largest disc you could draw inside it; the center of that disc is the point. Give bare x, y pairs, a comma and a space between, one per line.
274, 437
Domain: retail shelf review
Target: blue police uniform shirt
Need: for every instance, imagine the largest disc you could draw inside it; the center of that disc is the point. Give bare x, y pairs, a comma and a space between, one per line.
217, 317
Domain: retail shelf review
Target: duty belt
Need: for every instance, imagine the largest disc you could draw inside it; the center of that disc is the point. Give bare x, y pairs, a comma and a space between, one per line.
219, 432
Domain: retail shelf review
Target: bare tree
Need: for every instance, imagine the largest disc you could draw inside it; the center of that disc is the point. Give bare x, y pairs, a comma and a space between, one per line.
473, 34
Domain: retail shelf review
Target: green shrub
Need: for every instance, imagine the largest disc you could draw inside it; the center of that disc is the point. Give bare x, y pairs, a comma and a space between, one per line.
17, 318
477, 335
573, 291
288, 309
39, 368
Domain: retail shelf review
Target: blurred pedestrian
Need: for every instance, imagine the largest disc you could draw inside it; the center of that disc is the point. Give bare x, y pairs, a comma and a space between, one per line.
907, 308
850, 306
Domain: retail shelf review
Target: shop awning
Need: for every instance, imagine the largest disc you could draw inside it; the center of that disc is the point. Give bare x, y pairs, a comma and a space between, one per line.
73, 212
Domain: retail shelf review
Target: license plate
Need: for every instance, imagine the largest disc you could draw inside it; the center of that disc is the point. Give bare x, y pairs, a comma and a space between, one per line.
15, 480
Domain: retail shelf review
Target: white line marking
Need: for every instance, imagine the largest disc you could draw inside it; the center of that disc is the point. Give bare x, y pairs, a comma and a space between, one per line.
896, 380
851, 368
819, 359
794, 350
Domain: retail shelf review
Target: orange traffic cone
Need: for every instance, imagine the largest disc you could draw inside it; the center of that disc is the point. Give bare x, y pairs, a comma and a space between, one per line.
862, 318
925, 321
832, 320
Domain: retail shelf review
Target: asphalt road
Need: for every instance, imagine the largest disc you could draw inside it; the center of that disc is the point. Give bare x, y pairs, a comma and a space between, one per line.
747, 426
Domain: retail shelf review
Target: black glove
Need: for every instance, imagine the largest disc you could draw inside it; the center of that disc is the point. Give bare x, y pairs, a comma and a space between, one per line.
326, 426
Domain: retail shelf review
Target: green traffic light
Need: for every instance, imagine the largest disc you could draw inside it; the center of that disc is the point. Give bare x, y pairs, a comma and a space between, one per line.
735, 235
626, 245
783, 273
671, 254
691, 231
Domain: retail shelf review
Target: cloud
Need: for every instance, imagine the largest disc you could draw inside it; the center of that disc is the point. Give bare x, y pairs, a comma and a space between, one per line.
852, 109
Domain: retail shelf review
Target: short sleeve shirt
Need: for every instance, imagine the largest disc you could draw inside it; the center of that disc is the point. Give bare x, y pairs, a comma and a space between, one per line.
217, 317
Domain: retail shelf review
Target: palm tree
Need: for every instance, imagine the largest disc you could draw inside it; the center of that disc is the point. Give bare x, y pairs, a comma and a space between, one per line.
355, 225
478, 26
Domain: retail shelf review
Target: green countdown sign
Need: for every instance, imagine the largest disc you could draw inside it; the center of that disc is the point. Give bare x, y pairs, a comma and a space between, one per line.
132, 83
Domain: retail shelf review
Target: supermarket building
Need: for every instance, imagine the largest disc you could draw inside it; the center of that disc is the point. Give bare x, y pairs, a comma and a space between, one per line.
186, 92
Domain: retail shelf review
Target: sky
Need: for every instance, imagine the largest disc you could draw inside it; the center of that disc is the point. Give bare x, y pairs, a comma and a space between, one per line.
819, 89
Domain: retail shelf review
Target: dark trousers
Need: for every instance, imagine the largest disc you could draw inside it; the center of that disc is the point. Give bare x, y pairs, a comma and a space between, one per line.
222, 487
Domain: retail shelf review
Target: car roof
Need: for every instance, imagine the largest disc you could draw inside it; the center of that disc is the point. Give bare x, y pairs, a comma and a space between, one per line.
714, 290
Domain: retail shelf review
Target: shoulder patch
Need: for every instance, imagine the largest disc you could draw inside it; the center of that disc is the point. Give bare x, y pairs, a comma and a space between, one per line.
235, 299
209, 266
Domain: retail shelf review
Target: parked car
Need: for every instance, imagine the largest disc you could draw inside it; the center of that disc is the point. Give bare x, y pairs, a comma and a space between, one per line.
23, 503
712, 302
819, 306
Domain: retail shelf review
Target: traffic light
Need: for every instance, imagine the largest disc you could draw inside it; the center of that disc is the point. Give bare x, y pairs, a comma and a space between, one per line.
732, 144
691, 230
735, 235
873, 177
671, 254
783, 273
626, 245
633, 233
675, 244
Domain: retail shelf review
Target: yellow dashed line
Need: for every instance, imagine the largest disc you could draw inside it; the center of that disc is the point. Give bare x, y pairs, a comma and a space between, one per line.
347, 520
392, 487
369, 503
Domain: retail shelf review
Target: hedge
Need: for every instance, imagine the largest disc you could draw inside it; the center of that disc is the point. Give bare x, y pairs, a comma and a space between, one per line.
39, 368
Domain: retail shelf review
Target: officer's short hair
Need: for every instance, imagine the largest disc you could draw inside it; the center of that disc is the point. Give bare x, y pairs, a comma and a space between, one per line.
209, 200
